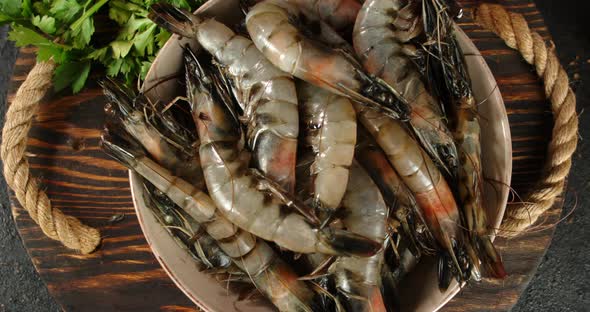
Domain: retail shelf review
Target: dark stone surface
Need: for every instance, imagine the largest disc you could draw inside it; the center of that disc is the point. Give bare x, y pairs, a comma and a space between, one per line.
561, 283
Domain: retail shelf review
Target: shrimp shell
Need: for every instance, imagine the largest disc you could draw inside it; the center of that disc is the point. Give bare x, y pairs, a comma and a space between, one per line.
122, 109
340, 14
380, 34
330, 122
270, 24
425, 181
267, 95
235, 188
358, 279
271, 276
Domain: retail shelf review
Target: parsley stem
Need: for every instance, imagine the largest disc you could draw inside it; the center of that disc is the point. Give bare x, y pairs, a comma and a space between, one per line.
78, 23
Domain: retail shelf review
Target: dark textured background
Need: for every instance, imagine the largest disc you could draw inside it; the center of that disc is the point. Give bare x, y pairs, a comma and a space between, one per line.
561, 283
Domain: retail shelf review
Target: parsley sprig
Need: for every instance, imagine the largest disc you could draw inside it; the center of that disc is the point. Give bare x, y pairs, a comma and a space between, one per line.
65, 30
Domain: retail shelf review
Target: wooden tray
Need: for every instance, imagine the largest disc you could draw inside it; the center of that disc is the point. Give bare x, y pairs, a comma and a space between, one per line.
123, 274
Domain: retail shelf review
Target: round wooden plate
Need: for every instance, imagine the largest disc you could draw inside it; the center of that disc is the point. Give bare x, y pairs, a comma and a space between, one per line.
123, 274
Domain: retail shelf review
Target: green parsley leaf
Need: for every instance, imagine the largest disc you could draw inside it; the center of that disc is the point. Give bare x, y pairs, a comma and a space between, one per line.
133, 25
11, 8
82, 35
45, 23
65, 11
80, 81
119, 15
162, 37
100, 55
5, 18
71, 73
44, 53
114, 67
145, 67
145, 40
121, 48
24, 36
26, 9
41, 7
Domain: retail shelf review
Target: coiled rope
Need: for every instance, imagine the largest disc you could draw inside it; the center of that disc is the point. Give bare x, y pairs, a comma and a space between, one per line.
514, 30
66, 229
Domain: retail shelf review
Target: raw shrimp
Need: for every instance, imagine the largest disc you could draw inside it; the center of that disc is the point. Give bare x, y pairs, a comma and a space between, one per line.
425, 181
396, 194
381, 30
358, 280
468, 136
236, 189
126, 107
270, 275
267, 95
340, 14
186, 231
330, 122
449, 71
271, 26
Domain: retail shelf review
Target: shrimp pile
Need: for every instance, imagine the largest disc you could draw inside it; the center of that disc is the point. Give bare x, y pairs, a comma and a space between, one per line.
319, 154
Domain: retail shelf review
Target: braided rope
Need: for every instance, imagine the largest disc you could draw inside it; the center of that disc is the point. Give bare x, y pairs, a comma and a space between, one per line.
66, 229
514, 30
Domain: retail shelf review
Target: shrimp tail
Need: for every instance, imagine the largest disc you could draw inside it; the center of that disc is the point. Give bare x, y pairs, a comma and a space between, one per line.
173, 19
490, 257
349, 244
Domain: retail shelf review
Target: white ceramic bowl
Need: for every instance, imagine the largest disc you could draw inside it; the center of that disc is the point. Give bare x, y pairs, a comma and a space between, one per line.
421, 292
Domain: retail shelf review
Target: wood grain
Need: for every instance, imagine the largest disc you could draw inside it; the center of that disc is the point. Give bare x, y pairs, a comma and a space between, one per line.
123, 275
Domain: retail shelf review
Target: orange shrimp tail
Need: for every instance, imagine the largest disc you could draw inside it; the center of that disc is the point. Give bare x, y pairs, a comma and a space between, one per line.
490, 258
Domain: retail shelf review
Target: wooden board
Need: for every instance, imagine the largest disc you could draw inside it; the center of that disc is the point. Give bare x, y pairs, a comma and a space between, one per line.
123, 275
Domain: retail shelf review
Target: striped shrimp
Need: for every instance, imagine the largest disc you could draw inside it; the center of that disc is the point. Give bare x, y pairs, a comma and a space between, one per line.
432, 192
330, 132
358, 280
380, 37
397, 196
271, 276
449, 72
271, 24
266, 94
236, 189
